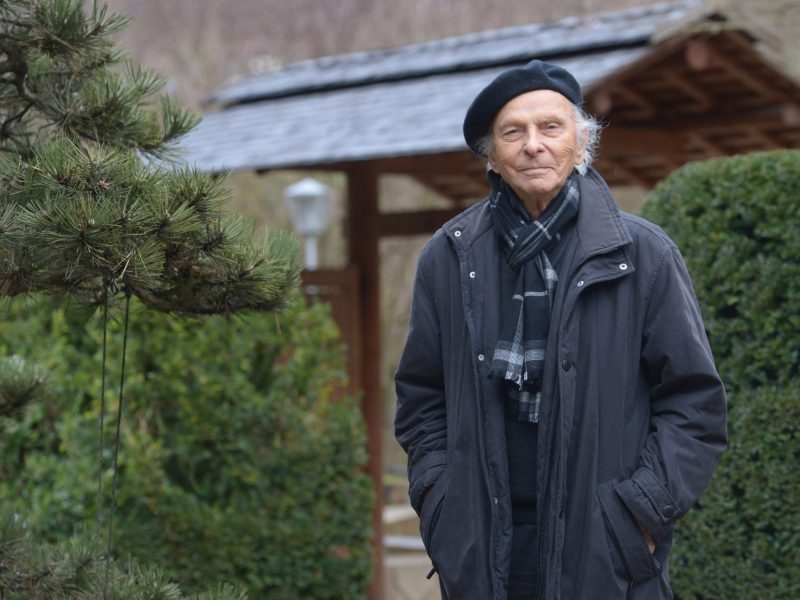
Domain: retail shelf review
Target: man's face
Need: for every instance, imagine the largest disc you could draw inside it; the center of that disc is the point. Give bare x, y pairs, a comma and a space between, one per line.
535, 146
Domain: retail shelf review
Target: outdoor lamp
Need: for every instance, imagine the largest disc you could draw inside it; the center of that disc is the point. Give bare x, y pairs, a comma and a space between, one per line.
309, 206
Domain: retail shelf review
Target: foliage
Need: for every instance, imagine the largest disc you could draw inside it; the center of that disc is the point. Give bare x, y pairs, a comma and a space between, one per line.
238, 465
71, 569
80, 210
735, 220
60, 72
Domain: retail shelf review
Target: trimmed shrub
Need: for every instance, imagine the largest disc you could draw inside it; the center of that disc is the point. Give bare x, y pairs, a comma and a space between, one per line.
736, 222
237, 464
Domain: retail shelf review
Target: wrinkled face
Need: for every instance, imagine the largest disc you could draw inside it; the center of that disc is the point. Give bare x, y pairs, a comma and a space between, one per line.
535, 146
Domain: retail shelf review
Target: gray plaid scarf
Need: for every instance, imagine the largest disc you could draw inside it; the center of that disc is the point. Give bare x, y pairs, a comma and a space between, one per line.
519, 355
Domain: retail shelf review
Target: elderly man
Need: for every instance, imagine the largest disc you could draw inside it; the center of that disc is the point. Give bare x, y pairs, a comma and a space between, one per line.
557, 396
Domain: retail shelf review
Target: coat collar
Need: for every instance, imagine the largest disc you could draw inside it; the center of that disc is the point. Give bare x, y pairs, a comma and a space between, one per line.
600, 225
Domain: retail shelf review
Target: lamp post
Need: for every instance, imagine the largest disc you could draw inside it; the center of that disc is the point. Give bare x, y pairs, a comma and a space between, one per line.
309, 206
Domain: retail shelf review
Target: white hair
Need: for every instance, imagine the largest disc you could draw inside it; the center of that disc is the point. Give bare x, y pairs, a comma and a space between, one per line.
588, 131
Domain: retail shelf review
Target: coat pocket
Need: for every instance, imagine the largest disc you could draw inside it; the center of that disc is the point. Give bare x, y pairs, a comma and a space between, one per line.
615, 553
627, 545
431, 508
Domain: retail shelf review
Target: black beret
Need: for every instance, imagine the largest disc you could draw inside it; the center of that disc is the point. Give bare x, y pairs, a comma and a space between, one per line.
536, 75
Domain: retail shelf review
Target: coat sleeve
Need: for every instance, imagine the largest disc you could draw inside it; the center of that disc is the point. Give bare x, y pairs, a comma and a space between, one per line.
688, 405
421, 420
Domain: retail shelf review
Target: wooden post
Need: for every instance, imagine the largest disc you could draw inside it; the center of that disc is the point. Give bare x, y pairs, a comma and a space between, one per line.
340, 289
362, 235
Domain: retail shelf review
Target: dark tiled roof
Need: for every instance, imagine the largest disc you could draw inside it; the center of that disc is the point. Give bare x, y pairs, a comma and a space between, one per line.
397, 118
404, 101
467, 52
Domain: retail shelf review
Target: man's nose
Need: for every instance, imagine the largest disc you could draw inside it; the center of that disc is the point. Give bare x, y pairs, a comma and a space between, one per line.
533, 142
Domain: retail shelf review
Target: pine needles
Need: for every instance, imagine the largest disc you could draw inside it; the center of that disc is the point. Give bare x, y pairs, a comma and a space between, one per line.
73, 571
74, 217
81, 210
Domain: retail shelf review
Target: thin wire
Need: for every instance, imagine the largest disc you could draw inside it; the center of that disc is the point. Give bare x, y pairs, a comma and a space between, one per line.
116, 446
102, 426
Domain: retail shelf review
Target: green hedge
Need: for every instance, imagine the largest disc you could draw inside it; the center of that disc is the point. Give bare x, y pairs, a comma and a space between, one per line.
737, 222
237, 464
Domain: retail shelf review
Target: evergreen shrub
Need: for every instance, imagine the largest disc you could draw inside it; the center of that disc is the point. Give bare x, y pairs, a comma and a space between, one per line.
239, 463
73, 570
736, 222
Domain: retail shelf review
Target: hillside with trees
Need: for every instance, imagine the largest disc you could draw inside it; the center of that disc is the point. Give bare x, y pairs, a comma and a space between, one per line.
200, 44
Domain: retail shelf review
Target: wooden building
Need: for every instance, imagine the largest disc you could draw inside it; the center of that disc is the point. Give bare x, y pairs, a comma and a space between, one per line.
673, 82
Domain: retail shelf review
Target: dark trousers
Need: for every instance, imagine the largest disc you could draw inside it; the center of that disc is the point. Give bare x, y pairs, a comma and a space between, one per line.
522, 575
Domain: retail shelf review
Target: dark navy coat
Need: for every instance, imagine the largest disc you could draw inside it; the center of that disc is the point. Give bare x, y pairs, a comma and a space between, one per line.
633, 413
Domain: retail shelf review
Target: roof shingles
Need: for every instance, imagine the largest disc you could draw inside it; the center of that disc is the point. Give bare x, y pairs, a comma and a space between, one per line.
402, 101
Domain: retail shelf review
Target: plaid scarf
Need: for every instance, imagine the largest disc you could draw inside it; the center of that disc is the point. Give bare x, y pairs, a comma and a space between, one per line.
519, 355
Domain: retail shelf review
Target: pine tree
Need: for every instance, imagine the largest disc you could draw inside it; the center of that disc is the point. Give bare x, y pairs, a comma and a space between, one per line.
87, 207
72, 571
91, 210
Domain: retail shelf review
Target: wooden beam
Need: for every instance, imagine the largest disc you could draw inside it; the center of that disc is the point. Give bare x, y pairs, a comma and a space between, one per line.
708, 146
629, 174
690, 89
414, 223
457, 187
640, 68
730, 130
449, 163
459, 192
741, 40
754, 83
438, 186
635, 97
629, 140
362, 210
480, 181
766, 49
762, 138
697, 52
718, 122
